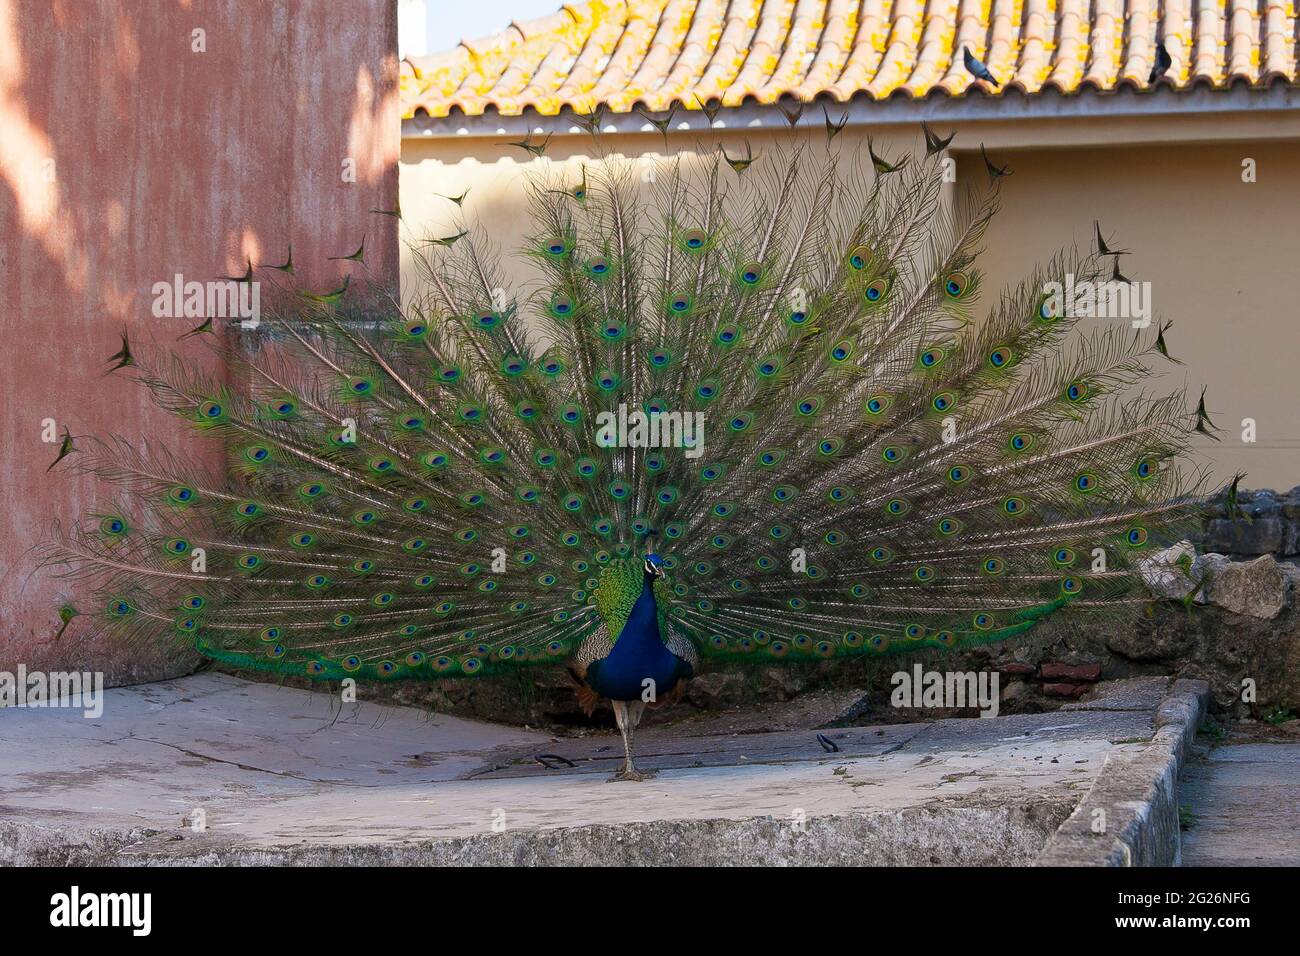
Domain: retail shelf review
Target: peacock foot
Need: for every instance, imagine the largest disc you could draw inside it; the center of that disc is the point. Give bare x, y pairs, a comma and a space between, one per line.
631, 774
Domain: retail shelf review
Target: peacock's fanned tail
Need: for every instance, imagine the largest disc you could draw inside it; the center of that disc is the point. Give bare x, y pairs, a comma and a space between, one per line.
434, 494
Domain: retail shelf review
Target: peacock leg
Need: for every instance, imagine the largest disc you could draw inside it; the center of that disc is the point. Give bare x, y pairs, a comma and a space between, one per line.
628, 715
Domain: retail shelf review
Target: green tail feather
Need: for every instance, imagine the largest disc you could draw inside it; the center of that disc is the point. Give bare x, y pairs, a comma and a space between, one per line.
885, 466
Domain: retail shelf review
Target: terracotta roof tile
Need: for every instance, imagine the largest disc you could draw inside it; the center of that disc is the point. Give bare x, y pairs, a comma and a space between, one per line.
654, 54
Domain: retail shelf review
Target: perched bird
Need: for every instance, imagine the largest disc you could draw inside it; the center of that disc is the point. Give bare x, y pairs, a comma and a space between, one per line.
1162, 64
729, 422
976, 68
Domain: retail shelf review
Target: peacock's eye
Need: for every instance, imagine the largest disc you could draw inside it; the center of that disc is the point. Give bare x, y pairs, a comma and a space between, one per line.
876, 290
876, 405
695, 239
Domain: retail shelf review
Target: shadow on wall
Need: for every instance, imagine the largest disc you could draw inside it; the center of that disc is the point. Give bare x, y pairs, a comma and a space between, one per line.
140, 143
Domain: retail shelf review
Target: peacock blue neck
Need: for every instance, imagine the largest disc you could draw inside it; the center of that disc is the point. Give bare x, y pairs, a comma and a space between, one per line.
642, 625
639, 654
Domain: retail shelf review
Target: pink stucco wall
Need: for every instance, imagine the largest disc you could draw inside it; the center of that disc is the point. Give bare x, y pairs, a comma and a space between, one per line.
165, 160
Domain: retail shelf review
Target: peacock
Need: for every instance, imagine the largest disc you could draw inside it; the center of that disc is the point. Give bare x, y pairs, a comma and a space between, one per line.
744, 413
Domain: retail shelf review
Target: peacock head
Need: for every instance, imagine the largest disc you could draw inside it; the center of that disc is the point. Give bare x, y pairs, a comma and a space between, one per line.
654, 566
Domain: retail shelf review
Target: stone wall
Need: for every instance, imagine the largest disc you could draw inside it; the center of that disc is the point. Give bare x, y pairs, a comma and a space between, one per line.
1268, 522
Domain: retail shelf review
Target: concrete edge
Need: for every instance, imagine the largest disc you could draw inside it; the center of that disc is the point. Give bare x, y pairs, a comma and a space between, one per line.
1129, 817
1000, 834
33, 844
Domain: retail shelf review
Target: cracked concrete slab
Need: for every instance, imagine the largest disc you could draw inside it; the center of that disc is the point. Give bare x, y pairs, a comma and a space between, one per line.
663, 749
283, 775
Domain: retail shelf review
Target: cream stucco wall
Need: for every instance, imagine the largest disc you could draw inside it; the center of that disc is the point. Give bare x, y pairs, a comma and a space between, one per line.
1223, 260
1221, 255
495, 174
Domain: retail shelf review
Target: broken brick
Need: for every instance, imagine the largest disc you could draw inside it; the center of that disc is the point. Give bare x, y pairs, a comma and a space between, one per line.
1071, 672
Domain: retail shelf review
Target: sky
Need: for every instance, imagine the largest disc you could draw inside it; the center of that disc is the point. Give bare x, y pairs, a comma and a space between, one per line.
447, 22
